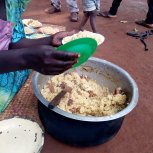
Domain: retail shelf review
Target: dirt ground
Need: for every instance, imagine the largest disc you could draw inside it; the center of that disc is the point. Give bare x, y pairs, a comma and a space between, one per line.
136, 134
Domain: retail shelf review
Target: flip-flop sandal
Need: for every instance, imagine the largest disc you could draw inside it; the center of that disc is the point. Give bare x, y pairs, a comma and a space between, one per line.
133, 34
141, 36
106, 15
144, 24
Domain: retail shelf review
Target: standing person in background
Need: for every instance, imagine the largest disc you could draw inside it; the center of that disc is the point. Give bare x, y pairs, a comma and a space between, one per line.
112, 13
148, 22
90, 8
72, 5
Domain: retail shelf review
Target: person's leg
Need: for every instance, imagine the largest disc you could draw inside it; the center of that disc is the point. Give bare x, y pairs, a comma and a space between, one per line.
74, 10
149, 19
84, 21
113, 10
93, 15
55, 7
90, 10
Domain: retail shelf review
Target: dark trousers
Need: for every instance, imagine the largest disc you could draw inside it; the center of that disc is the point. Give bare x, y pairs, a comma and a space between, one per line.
149, 18
114, 7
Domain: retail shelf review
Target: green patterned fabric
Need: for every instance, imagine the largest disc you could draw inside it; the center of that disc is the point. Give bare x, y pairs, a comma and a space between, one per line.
10, 83
15, 9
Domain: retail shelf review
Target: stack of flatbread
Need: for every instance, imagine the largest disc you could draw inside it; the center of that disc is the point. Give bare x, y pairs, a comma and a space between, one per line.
32, 23
49, 30
28, 30
34, 26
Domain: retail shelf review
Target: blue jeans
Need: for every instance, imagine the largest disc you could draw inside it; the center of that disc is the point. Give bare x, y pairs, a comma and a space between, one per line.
72, 5
114, 8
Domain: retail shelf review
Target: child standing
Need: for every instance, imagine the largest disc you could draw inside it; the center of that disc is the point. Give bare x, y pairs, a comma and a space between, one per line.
90, 8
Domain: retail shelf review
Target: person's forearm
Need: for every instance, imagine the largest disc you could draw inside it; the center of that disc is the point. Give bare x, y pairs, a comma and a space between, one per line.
12, 60
26, 43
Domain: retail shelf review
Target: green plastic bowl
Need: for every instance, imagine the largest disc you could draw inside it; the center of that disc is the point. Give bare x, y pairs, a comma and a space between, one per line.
85, 47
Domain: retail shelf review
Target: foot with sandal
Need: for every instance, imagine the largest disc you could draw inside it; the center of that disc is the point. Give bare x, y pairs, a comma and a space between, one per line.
56, 8
106, 14
144, 24
112, 13
52, 9
148, 22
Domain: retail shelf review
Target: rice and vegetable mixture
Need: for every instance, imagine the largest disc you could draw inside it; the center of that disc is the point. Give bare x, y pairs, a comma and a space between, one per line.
83, 95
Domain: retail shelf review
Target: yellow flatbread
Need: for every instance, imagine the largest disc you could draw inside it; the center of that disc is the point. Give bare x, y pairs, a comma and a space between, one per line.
49, 30
32, 23
28, 30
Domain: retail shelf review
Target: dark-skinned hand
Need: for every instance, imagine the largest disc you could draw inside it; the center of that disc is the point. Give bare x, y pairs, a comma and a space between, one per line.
57, 38
50, 62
